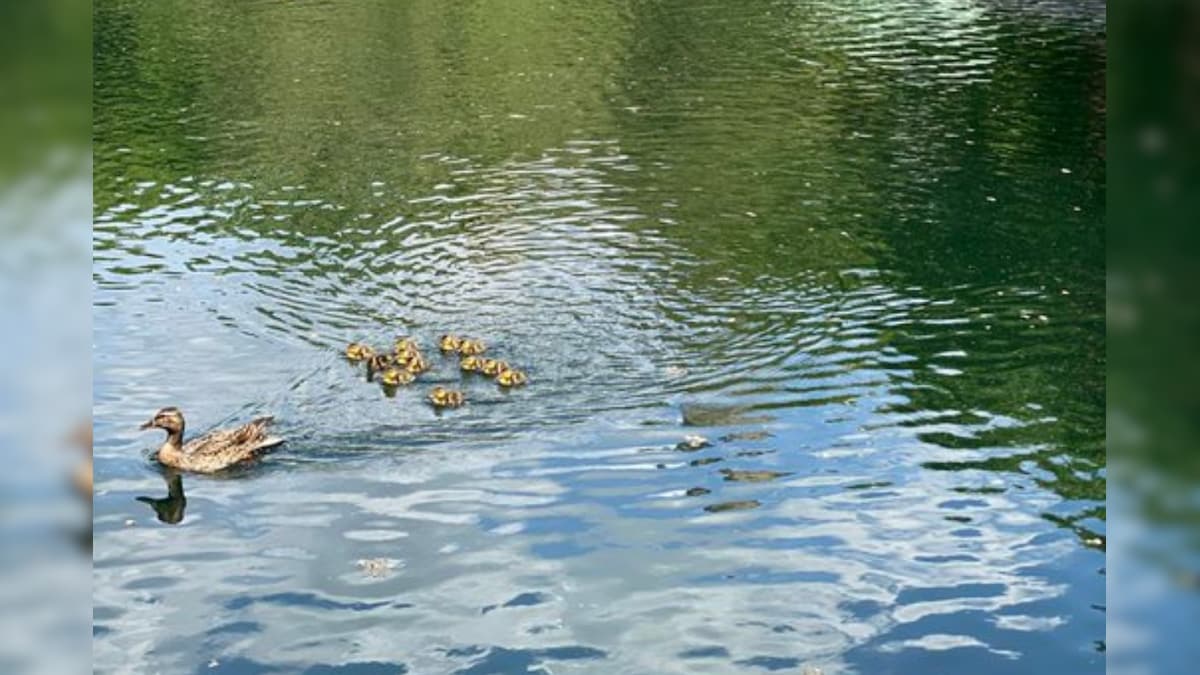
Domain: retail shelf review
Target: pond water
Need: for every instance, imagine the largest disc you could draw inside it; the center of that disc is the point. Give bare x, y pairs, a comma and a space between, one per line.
858, 247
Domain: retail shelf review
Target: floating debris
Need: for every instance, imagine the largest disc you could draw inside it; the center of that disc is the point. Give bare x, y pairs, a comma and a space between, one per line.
752, 476
743, 505
376, 567
692, 443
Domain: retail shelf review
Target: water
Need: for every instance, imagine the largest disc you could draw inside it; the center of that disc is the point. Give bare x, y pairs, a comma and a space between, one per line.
858, 246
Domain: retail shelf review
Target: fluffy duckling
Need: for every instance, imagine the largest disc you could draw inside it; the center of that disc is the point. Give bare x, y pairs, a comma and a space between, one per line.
471, 364
416, 364
379, 363
394, 377
357, 351
471, 347
511, 378
441, 397
216, 450
492, 367
406, 345
450, 343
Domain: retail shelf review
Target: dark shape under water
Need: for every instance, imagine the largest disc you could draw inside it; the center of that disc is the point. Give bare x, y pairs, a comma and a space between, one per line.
709, 415
697, 491
752, 476
169, 509
746, 436
743, 505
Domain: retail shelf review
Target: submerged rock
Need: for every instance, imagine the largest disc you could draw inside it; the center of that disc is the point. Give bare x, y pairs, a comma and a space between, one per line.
709, 415
752, 476
697, 491
747, 436
733, 506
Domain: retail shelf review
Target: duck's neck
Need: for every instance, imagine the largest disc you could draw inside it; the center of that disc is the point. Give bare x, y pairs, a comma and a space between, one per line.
172, 447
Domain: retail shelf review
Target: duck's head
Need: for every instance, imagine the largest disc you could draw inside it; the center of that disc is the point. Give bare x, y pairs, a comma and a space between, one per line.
169, 419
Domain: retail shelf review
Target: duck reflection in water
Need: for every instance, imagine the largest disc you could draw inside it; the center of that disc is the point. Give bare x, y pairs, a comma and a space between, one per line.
169, 509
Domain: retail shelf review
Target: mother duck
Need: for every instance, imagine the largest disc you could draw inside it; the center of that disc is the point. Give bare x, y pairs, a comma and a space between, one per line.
216, 450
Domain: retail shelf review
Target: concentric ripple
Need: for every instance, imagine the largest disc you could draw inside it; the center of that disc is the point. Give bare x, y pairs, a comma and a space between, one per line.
810, 297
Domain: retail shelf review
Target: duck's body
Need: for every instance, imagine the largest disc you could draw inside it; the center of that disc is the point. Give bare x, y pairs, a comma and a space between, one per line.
214, 451
471, 364
441, 397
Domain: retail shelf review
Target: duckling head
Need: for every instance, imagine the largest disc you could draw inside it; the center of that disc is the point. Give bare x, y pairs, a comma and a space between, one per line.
169, 419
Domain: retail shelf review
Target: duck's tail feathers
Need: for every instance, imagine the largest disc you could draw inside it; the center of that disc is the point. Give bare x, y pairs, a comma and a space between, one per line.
268, 442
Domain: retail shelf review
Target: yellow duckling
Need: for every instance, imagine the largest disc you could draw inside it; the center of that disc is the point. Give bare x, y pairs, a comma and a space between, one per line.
450, 343
471, 347
394, 377
416, 364
511, 378
357, 351
406, 345
441, 397
379, 362
492, 367
471, 364
408, 354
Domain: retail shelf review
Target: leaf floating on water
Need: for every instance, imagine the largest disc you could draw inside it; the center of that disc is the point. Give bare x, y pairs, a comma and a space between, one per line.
752, 476
376, 567
743, 505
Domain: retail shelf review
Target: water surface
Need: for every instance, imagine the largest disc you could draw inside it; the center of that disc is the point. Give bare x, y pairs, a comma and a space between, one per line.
858, 248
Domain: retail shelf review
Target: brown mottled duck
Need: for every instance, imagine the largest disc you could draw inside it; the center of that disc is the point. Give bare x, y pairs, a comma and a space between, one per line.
216, 450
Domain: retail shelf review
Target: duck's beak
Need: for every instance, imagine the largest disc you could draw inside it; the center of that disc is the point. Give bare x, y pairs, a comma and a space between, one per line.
146, 425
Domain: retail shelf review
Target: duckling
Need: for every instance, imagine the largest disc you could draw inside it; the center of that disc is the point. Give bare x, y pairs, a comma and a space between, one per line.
394, 377
416, 364
379, 363
511, 378
441, 397
357, 351
471, 347
471, 364
492, 367
405, 345
218, 449
450, 343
